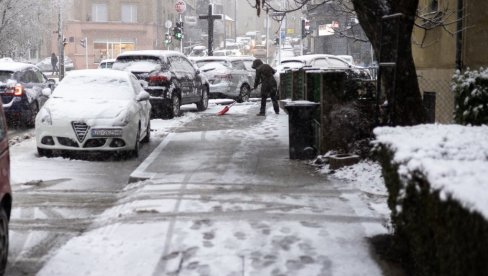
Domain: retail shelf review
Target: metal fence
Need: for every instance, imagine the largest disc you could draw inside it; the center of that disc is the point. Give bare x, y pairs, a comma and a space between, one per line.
439, 91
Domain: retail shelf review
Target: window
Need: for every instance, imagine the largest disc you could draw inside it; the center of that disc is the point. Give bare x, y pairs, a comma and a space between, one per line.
99, 12
248, 64
187, 66
28, 77
238, 65
129, 13
320, 63
433, 5
337, 63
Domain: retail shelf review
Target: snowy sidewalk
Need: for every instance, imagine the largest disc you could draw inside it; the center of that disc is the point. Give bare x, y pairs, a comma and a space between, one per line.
227, 202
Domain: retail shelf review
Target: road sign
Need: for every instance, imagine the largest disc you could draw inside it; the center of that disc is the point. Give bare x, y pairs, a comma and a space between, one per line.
180, 6
168, 24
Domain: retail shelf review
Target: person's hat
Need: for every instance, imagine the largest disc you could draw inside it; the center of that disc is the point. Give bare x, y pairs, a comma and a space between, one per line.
256, 63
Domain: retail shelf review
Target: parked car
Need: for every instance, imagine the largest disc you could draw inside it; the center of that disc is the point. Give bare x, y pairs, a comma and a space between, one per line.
5, 193
220, 53
229, 77
169, 77
259, 51
94, 110
106, 63
319, 61
45, 64
198, 51
360, 71
21, 86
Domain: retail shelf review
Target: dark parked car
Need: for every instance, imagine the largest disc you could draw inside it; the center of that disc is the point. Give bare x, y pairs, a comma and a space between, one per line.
21, 86
5, 193
169, 77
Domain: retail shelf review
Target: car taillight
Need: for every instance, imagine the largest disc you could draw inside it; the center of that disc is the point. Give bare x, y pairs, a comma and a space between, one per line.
158, 78
16, 90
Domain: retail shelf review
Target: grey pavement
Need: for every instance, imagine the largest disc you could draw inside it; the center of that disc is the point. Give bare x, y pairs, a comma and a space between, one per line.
237, 205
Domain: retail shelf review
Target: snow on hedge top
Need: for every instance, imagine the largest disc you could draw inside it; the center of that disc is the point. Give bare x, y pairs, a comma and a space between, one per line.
454, 159
447, 142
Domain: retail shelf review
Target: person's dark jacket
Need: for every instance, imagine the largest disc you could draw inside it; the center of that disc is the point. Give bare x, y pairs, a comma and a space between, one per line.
54, 60
265, 77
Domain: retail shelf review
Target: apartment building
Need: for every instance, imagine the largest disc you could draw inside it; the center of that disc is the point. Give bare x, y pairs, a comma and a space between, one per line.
114, 26
451, 35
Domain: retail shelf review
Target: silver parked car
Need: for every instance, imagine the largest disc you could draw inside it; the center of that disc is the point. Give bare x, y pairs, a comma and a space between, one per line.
229, 77
45, 64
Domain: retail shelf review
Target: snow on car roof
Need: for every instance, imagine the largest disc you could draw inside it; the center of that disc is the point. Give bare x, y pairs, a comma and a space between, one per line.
227, 58
108, 60
154, 53
100, 73
14, 66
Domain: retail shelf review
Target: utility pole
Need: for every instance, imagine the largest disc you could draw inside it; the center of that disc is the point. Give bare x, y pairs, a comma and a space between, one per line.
235, 20
267, 38
61, 41
225, 27
182, 34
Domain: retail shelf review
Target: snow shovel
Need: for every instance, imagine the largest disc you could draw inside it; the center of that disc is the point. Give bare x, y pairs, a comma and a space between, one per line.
225, 109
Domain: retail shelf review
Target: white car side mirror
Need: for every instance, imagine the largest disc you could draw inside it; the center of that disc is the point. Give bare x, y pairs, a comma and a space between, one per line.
143, 96
143, 83
46, 92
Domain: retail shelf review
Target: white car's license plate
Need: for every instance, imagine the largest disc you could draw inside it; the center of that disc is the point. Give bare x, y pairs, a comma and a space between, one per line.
106, 132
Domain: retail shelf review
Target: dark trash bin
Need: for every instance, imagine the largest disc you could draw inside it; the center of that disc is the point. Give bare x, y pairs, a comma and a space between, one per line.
301, 133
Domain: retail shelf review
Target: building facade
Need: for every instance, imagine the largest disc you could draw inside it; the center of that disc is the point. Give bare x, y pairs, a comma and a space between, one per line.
111, 27
451, 35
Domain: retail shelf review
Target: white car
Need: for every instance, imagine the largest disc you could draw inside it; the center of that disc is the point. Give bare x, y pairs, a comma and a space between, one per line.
229, 77
106, 63
94, 110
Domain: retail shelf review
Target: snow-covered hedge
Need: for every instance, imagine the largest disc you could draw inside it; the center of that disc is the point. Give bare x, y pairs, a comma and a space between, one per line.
437, 180
471, 97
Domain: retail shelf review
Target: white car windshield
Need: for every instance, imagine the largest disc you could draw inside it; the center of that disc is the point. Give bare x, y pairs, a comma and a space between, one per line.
94, 87
201, 63
214, 66
292, 64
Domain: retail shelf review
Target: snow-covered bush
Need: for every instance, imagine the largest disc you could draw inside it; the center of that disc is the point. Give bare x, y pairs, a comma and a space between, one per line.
436, 181
471, 97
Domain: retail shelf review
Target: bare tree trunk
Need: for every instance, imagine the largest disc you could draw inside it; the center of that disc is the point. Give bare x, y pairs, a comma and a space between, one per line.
407, 101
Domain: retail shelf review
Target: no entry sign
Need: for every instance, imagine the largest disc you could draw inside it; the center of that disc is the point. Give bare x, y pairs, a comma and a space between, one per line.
180, 6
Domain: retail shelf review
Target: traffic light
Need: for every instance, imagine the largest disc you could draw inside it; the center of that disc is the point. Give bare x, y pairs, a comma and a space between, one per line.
178, 31
167, 38
305, 27
65, 41
276, 41
83, 42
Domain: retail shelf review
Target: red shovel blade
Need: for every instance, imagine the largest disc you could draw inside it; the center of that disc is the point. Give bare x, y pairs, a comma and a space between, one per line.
225, 109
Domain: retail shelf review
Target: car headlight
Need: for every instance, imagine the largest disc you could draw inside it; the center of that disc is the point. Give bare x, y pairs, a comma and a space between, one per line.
44, 116
122, 119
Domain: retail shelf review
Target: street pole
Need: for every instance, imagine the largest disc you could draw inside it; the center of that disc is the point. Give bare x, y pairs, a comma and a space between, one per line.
279, 43
235, 20
182, 34
86, 52
225, 29
61, 52
301, 37
267, 38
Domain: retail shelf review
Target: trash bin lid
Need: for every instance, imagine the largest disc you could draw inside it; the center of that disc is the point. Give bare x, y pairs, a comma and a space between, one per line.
289, 105
301, 103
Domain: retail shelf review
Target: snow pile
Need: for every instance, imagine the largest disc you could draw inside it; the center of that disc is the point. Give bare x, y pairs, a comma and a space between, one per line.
454, 159
366, 177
